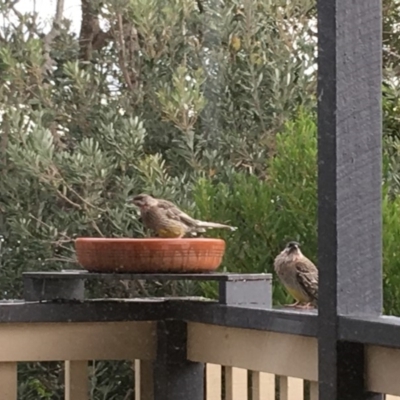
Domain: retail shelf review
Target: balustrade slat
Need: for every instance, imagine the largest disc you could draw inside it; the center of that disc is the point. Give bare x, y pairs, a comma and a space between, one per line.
236, 384
76, 380
8, 380
314, 391
144, 380
263, 386
213, 382
291, 388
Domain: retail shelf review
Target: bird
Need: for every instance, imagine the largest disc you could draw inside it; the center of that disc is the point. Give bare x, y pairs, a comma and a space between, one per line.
298, 274
168, 221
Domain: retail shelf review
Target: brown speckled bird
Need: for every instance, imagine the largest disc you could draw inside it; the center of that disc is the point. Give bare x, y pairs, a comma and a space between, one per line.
168, 221
298, 274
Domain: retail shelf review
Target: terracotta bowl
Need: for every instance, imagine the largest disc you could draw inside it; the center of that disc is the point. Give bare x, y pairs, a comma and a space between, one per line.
149, 255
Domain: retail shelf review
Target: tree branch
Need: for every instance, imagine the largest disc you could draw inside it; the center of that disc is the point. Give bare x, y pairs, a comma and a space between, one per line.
122, 54
200, 6
49, 38
91, 36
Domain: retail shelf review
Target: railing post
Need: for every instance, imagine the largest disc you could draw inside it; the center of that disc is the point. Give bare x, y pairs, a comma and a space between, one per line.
176, 378
349, 185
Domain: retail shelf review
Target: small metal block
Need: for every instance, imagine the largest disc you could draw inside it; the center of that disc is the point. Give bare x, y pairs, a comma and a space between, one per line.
53, 289
246, 293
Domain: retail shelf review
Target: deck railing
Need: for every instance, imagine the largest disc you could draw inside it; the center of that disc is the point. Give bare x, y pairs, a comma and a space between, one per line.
349, 348
256, 354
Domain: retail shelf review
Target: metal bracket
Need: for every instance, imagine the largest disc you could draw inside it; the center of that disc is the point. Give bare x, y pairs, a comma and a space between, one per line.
249, 290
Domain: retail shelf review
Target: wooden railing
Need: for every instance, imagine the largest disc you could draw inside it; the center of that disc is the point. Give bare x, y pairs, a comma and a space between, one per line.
74, 343
265, 354
256, 364
292, 358
350, 332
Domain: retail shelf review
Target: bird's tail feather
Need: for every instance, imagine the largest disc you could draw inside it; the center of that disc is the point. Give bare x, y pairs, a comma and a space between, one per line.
212, 225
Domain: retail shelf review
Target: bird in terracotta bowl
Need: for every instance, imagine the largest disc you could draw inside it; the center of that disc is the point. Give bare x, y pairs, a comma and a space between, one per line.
166, 220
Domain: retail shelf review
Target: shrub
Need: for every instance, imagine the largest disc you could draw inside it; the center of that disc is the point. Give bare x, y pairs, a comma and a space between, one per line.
268, 212
283, 207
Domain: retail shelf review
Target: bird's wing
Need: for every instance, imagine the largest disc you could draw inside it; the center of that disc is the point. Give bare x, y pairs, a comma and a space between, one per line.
307, 276
173, 212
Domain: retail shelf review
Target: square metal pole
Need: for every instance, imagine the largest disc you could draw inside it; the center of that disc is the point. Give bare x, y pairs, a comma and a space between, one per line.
176, 378
349, 185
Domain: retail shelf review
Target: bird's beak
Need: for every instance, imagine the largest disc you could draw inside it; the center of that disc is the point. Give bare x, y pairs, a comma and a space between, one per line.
130, 203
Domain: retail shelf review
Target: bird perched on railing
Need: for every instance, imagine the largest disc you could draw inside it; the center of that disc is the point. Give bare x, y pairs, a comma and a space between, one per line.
298, 274
168, 221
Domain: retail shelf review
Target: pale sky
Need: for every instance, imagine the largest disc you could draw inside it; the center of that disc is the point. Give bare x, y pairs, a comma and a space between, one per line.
46, 10
72, 11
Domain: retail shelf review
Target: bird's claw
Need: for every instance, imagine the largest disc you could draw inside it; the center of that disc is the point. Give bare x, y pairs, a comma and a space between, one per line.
301, 306
292, 305
306, 306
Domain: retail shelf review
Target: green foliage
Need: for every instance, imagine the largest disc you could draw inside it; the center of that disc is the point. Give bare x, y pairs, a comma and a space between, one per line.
174, 92
391, 39
391, 132
182, 99
184, 94
391, 199
284, 207
391, 262
90, 184
41, 381
268, 212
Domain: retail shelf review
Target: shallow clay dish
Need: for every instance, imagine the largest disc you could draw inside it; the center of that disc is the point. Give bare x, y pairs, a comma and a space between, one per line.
149, 255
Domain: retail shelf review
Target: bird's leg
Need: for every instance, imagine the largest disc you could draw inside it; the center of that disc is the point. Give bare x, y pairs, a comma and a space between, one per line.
306, 306
296, 304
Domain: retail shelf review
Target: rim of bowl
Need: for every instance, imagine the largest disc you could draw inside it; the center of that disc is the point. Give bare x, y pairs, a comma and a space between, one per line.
148, 240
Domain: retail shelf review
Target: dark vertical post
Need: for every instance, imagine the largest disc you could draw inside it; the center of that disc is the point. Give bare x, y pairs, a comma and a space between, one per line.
176, 378
349, 185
